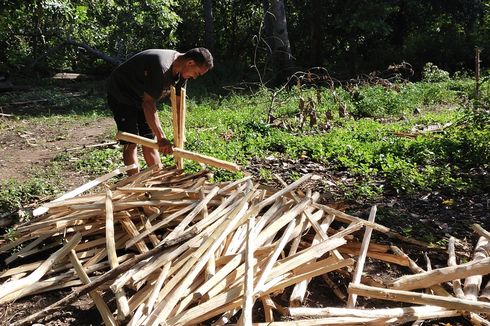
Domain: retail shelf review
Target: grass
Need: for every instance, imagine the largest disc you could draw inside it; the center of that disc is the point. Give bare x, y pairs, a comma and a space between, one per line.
364, 145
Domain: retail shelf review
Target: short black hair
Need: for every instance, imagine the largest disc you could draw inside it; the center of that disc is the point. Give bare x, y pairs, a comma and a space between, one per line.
201, 56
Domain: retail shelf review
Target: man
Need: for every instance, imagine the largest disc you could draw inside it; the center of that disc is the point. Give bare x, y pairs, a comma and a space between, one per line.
136, 85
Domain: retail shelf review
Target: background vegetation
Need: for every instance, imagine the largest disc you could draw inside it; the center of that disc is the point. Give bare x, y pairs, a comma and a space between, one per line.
346, 37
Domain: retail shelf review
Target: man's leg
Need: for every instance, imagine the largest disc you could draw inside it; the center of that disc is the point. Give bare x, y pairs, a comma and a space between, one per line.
130, 156
151, 156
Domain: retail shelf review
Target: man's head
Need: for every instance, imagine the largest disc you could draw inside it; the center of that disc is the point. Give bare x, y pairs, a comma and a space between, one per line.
195, 62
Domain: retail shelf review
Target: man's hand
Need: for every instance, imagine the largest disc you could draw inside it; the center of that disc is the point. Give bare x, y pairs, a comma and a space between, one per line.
165, 146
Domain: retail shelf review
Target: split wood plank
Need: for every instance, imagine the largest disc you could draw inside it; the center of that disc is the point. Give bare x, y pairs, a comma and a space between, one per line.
356, 279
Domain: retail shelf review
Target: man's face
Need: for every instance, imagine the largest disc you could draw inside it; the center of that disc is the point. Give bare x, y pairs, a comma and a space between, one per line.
192, 70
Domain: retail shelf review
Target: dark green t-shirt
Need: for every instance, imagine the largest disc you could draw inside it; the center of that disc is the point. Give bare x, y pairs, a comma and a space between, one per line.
148, 71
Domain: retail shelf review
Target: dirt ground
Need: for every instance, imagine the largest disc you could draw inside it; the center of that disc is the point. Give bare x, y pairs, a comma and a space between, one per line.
439, 216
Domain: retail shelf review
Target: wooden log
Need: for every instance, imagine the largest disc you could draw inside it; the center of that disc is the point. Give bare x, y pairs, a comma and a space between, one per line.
91, 184
248, 299
22, 284
104, 311
437, 276
351, 301
457, 289
472, 283
110, 275
419, 298
179, 153
122, 302
132, 232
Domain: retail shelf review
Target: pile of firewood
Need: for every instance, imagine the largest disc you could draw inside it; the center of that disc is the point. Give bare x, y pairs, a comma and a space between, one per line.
174, 249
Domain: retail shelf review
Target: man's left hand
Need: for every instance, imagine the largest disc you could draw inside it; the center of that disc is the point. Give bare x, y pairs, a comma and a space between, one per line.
165, 146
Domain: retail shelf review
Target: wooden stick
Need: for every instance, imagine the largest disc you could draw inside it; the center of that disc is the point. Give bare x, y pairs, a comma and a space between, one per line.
389, 258
259, 287
179, 142
458, 291
194, 266
178, 152
188, 219
472, 283
481, 231
313, 222
249, 275
30, 246
414, 311
232, 298
299, 291
349, 218
438, 289
351, 302
437, 276
104, 311
122, 302
335, 288
420, 298
110, 275
77, 191
19, 285
157, 287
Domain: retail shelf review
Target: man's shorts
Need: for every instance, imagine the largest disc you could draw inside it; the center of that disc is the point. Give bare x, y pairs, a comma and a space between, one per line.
129, 118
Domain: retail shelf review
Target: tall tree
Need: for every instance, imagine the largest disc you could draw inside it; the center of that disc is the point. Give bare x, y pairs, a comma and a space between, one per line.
283, 58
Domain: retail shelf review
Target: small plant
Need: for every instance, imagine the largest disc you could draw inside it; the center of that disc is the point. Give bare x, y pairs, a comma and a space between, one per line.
433, 74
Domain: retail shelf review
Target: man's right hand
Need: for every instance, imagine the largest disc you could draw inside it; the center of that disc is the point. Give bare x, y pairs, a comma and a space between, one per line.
165, 146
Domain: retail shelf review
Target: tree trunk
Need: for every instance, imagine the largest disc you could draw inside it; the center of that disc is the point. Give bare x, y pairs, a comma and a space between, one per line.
209, 35
282, 48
